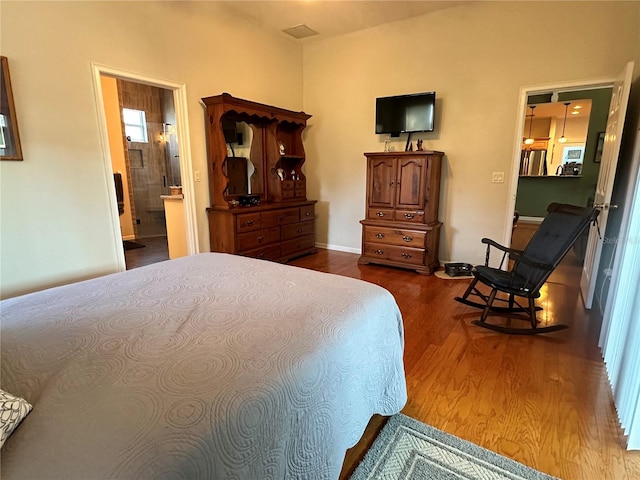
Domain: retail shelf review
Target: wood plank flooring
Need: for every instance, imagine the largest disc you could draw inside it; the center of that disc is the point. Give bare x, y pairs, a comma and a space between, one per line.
155, 250
541, 400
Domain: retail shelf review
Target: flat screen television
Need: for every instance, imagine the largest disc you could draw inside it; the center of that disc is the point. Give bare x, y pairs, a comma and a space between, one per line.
405, 113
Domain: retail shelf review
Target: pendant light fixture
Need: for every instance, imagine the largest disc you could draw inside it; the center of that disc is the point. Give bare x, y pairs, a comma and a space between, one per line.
563, 139
529, 140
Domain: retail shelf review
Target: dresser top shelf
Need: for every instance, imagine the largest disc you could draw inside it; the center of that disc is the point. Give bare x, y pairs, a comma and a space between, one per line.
263, 206
400, 154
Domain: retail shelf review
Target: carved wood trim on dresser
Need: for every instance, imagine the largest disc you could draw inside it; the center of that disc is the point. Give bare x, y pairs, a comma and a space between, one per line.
279, 224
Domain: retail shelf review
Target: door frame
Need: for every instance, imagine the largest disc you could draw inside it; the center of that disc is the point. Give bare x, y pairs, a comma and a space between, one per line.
186, 165
525, 92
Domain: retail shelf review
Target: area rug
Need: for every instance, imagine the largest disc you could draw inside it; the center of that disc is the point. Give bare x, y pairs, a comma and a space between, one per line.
407, 449
445, 276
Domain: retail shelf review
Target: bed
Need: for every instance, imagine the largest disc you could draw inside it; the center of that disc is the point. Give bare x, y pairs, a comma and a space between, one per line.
211, 366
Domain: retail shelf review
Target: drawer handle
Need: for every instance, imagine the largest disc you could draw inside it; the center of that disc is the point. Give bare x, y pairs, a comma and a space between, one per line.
409, 215
406, 255
300, 230
407, 239
307, 214
248, 223
281, 217
380, 214
260, 239
379, 252
261, 255
379, 235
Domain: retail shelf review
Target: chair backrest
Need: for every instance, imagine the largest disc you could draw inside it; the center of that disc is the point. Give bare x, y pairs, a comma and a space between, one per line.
557, 233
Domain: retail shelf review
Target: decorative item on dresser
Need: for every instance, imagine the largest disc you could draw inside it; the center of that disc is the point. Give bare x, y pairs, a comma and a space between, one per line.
402, 227
278, 223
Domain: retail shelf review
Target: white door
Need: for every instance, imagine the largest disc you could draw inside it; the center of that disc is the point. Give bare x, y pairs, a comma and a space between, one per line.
604, 187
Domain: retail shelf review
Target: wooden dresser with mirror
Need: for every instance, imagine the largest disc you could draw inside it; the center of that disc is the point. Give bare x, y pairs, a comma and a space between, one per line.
257, 188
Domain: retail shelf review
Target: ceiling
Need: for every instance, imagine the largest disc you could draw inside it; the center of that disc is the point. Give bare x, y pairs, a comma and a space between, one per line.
334, 17
556, 109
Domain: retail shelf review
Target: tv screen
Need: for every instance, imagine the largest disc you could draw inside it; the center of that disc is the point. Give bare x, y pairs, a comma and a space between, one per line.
405, 113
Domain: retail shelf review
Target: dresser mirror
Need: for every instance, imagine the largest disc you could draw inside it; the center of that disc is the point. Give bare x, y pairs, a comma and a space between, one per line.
243, 164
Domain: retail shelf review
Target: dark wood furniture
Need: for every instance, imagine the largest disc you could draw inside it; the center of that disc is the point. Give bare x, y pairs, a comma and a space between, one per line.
553, 239
402, 227
273, 231
281, 226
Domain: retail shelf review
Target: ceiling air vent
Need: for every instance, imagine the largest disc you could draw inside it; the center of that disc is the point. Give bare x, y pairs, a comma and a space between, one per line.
300, 31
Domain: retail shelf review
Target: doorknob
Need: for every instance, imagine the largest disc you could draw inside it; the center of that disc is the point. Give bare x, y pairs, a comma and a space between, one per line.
605, 206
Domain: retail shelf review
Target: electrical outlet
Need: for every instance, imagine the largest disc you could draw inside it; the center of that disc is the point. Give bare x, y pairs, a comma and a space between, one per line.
196, 175
498, 177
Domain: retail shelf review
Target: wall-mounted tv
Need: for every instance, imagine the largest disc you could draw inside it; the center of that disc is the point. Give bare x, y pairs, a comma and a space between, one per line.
405, 113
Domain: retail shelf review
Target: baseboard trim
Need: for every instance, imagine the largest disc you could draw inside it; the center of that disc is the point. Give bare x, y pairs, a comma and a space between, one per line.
531, 219
339, 248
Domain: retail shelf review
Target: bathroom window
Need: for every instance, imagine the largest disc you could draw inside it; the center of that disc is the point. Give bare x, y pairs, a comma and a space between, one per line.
135, 125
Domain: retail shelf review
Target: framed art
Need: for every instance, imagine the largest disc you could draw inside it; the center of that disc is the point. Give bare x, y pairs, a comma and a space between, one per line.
10, 148
599, 147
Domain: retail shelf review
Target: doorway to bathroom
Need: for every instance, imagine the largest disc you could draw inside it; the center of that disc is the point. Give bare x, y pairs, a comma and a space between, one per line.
151, 153
141, 123
182, 232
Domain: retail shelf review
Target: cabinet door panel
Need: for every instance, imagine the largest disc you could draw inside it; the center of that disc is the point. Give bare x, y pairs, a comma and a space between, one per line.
410, 183
381, 182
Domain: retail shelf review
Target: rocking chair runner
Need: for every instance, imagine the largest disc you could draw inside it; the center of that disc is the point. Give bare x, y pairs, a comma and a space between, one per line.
557, 233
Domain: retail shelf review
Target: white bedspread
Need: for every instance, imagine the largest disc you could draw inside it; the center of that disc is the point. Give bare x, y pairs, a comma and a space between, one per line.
212, 367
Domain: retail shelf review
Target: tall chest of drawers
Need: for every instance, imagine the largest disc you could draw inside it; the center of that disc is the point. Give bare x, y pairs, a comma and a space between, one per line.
401, 227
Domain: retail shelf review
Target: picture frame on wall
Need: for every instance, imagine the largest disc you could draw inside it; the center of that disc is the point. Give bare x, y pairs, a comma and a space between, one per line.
10, 148
599, 147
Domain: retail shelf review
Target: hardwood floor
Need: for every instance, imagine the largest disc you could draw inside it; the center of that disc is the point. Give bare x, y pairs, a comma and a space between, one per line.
541, 400
155, 250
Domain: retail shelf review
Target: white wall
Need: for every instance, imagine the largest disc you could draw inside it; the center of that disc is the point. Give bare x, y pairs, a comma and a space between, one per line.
55, 218
476, 57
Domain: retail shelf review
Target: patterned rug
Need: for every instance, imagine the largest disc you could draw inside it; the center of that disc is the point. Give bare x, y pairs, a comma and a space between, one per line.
407, 449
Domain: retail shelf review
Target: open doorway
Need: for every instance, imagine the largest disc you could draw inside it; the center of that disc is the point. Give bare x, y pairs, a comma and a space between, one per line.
559, 162
145, 164
620, 87
166, 132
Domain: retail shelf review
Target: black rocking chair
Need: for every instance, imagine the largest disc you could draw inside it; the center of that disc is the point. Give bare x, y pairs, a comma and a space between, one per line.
557, 233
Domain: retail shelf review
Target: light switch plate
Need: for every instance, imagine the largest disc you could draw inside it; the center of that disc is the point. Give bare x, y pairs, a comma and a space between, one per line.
196, 175
498, 177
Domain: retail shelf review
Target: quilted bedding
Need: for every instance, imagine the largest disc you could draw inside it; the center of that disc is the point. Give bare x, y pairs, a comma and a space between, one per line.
212, 366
